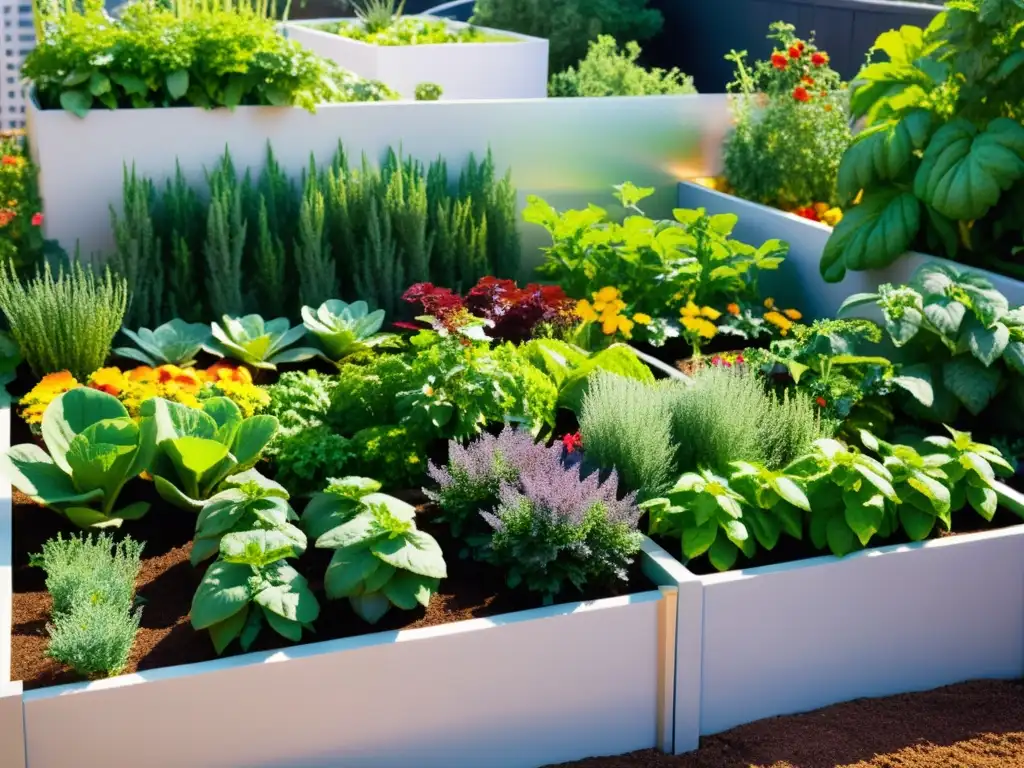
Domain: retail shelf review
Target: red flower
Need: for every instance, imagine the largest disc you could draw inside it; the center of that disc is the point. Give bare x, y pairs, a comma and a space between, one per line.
740, 360
800, 94
800, 45
807, 79
9, 160
572, 442
807, 213
37, 220
821, 402
407, 326
819, 59
779, 61
794, 52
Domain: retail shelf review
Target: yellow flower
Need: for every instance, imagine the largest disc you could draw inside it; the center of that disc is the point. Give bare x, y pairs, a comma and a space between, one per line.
690, 310
792, 314
710, 313
779, 320
607, 294
625, 325
677, 296
832, 216
701, 326
769, 303
109, 380
641, 318
585, 311
733, 308
45, 392
856, 200
609, 325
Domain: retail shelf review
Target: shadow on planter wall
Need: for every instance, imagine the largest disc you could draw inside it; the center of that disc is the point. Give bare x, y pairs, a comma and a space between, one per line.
697, 35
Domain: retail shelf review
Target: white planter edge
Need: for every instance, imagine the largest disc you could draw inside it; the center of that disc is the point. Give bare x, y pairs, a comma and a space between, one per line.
798, 282
499, 69
29, 719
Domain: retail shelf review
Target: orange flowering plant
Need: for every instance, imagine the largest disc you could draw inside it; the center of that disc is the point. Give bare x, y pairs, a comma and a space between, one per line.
21, 218
792, 128
132, 387
754, 321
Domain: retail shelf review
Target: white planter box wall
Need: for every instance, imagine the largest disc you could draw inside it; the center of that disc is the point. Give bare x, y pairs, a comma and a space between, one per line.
565, 150
798, 636
798, 283
507, 69
513, 691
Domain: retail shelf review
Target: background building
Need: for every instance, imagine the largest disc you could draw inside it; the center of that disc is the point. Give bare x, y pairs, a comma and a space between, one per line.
18, 38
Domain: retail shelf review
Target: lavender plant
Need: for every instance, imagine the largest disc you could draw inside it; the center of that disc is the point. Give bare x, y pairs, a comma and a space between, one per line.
553, 529
473, 476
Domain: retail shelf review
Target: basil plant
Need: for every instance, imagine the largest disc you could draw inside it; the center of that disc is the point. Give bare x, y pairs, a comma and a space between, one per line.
193, 450
342, 329
93, 448
380, 558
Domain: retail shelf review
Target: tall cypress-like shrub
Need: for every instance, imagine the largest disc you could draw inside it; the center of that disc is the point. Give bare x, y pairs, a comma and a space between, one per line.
225, 241
138, 255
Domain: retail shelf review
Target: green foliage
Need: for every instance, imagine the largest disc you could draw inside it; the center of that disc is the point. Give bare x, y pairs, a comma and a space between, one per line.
428, 92
10, 359
252, 504
316, 269
65, 322
656, 265
224, 247
607, 71
972, 469
570, 26
940, 163
726, 416
960, 343
390, 31
137, 255
397, 454
342, 329
92, 582
173, 343
94, 448
626, 425
21, 237
150, 56
260, 344
365, 394
192, 451
380, 558
790, 134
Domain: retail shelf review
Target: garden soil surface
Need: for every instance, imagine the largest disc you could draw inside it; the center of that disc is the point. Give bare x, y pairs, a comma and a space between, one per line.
972, 725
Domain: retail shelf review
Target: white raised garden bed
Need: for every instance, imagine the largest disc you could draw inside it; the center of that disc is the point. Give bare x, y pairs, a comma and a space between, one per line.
798, 282
794, 637
566, 150
512, 691
515, 67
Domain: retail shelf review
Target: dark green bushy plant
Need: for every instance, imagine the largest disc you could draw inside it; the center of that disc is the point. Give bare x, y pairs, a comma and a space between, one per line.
92, 582
607, 71
570, 25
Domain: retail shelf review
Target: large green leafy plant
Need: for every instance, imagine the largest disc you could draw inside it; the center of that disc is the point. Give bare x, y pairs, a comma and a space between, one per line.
94, 449
195, 55
380, 557
961, 343
194, 450
940, 164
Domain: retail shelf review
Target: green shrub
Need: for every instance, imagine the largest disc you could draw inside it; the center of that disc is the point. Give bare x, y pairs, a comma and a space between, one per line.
92, 582
626, 425
608, 71
67, 322
308, 457
428, 92
137, 256
21, 237
570, 25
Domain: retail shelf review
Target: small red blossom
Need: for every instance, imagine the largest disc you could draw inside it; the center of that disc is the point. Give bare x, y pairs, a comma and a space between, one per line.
819, 59
779, 61
794, 52
740, 359
807, 213
821, 402
807, 79
573, 442
720, 362
800, 94
800, 45
37, 220
9, 160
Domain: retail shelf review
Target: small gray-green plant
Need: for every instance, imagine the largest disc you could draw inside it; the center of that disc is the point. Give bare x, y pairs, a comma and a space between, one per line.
260, 344
63, 322
92, 583
342, 329
428, 92
173, 343
609, 71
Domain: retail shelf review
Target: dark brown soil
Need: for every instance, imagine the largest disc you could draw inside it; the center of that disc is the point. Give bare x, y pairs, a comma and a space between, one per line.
167, 583
973, 725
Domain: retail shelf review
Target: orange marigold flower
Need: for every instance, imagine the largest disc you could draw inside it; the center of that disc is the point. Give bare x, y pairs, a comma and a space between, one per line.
140, 373
733, 308
792, 314
779, 320
769, 303
109, 380
800, 94
779, 61
9, 160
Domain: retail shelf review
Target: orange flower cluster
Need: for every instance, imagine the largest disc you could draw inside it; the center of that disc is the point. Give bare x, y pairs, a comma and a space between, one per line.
188, 386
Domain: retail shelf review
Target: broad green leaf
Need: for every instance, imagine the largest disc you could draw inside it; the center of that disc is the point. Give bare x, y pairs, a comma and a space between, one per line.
203, 549
791, 492
917, 380
326, 511
765, 527
177, 83
946, 314
220, 513
170, 493
841, 540
916, 522
972, 383
31, 471
375, 581
292, 601
396, 507
71, 413
348, 568
723, 554
361, 529
413, 551
254, 434
932, 489
698, 539
223, 632
736, 531
194, 458
251, 630
963, 171
984, 500
75, 101
371, 608
618, 359
790, 518
863, 513
287, 628
258, 547
223, 592
86, 517
872, 234
986, 344
882, 152
855, 300
407, 590
979, 465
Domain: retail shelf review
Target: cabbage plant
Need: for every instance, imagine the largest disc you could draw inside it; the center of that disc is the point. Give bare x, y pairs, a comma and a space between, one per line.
343, 329
251, 583
260, 344
245, 506
193, 450
94, 449
173, 343
380, 558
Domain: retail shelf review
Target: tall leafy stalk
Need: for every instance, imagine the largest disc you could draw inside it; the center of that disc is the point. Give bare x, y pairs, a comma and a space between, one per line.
225, 241
137, 256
